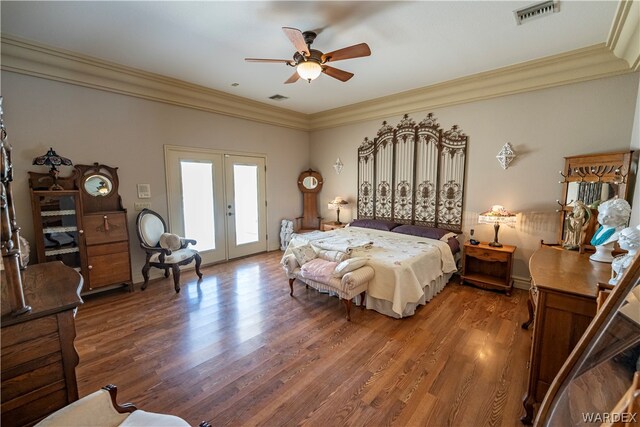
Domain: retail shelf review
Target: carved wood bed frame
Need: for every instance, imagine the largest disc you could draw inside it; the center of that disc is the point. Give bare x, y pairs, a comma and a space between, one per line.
413, 174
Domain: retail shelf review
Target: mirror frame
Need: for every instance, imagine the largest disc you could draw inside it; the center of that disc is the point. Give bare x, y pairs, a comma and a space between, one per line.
598, 167
91, 203
306, 174
103, 178
582, 350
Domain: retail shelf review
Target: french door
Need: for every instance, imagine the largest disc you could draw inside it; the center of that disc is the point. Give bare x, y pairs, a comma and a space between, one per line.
217, 199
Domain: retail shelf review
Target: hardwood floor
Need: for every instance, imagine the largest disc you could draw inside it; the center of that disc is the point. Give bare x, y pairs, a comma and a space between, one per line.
236, 349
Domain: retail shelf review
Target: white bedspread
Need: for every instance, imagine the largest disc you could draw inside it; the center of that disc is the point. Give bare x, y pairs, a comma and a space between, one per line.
403, 264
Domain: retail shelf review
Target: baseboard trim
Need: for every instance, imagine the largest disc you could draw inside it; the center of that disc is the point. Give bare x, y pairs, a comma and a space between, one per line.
521, 282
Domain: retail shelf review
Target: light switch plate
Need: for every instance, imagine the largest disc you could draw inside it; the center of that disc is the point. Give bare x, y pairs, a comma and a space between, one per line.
144, 191
141, 205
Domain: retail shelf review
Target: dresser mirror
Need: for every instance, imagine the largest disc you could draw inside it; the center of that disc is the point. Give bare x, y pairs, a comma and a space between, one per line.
98, 185
591, 179
597, 380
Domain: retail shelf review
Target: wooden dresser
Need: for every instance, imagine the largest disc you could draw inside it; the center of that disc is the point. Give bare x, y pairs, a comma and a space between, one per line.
567, 285
38, 356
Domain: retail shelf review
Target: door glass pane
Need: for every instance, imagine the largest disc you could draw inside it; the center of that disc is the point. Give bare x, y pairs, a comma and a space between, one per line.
245, 193
197, 203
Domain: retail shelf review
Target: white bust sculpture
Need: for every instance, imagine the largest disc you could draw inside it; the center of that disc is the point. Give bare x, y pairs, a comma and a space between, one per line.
613, 215
629, 240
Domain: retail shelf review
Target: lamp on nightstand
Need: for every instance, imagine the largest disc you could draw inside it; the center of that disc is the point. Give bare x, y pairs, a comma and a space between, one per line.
336, 204
496, 216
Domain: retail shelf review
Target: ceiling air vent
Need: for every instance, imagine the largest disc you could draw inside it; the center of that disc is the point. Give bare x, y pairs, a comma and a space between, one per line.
277, 97
537, 10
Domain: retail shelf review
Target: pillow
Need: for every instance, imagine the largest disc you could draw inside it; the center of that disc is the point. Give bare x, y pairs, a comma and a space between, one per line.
170, 241
318, 270
336, 256
376, 224
421, 231
304, 254
349, 265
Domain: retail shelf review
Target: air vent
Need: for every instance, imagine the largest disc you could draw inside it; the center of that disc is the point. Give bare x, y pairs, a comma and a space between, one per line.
537, 10
277, 97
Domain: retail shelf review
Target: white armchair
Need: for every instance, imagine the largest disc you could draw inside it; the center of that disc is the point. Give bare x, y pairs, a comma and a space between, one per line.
100, 409
164, 250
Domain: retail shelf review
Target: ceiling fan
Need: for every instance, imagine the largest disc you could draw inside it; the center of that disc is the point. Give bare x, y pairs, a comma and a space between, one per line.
309, 63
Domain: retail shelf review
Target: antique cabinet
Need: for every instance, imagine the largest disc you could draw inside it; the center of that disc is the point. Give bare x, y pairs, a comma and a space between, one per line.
57, 219
38, 356
84, 225
566, 286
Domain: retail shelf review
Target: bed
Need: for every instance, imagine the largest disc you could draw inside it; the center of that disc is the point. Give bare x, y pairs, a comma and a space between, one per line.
409, 270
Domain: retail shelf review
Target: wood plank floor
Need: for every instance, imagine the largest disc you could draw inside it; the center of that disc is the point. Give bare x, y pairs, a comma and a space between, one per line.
236, 349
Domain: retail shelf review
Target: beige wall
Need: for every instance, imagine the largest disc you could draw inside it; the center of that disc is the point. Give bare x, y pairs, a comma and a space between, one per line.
89, 126
542, 126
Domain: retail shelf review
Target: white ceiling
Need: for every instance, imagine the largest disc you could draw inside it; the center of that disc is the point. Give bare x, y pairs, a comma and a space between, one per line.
413, 44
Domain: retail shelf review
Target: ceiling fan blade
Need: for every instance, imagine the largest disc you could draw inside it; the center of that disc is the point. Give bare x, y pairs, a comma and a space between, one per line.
294, 78
355, 51
341, 75
283, 61
296, 37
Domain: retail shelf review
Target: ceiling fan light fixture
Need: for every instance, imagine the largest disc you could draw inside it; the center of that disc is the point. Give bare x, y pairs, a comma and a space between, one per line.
309, 70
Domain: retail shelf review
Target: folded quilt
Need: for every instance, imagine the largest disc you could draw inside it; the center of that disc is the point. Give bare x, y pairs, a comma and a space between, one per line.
342, 244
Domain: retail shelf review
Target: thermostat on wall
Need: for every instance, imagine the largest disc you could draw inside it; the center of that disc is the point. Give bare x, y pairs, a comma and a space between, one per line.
144, 191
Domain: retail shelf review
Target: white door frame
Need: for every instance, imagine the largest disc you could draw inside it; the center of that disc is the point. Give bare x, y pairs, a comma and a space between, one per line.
174, 209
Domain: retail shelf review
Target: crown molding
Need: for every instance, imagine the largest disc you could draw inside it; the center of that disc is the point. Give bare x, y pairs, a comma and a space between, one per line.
570, 67
624, 36
34, 59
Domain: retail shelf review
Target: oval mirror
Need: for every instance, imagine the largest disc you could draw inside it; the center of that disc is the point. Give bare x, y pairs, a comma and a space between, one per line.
310, 182
98, 185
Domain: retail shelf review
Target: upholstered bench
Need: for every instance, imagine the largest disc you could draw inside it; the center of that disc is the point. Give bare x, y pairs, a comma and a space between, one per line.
347, 278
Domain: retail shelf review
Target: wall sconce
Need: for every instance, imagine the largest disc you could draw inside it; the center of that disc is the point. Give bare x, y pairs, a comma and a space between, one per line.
506, 155
338, 166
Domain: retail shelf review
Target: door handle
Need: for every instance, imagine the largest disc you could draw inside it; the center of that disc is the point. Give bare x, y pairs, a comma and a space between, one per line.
230, 213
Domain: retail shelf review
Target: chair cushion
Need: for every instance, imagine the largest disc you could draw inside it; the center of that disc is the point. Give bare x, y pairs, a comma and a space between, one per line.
176, 256
145, 419
151, 228
170, 241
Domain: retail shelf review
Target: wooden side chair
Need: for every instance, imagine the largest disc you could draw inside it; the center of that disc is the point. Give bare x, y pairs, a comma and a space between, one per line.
164, 250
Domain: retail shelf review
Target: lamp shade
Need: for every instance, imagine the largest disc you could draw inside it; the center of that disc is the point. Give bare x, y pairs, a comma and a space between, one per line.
309, 70
497, 214
51, 158
339, 201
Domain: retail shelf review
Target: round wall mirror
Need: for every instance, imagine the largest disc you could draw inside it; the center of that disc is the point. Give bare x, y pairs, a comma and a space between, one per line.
98, 185
310, 182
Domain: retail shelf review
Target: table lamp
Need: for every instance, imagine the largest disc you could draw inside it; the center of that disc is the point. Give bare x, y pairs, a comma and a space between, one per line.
335, 204
51, 158
496, 216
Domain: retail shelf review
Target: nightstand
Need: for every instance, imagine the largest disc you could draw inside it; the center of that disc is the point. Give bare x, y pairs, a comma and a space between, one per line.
328, 226
487, 266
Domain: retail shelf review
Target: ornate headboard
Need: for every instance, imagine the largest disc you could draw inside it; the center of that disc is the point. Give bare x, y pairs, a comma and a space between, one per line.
413, 174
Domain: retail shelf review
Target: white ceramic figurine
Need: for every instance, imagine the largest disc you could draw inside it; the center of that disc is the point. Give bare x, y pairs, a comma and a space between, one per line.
629, 240
613, 216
